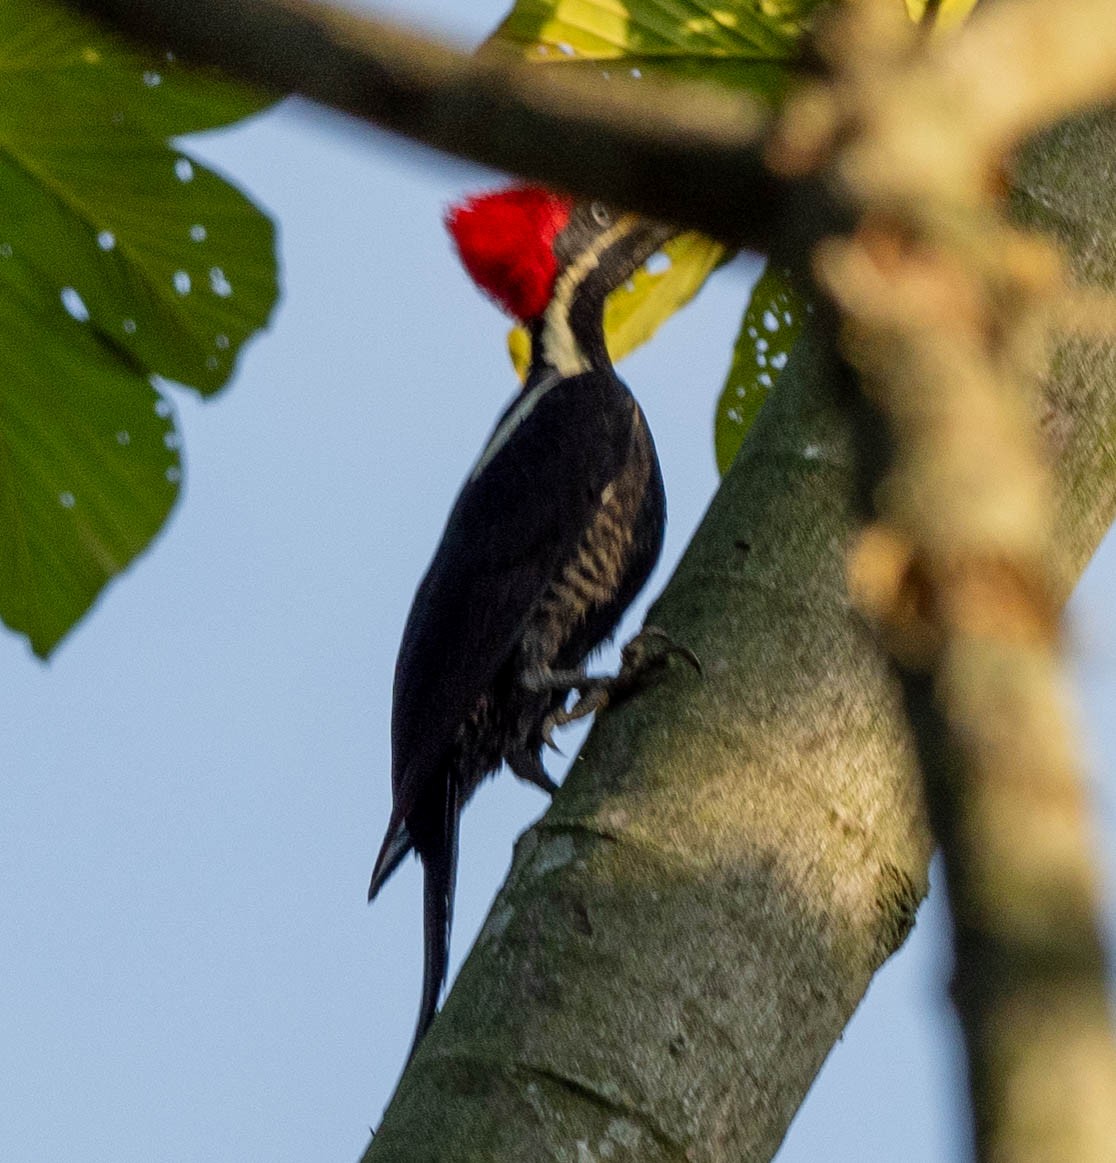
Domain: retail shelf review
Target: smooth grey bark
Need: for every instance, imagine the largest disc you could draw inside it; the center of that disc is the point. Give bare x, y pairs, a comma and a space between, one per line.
687, 931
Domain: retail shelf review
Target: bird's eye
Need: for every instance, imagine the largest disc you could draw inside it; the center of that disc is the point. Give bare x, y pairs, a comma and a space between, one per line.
602, 216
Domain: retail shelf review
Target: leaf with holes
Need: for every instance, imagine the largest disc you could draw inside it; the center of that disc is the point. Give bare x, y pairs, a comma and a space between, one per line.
634, 312
120, 258
768, 333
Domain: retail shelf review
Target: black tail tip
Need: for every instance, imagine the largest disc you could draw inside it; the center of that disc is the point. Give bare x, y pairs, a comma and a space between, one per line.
397, 843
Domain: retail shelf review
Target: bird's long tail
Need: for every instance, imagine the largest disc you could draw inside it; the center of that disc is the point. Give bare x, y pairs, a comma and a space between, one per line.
440, 877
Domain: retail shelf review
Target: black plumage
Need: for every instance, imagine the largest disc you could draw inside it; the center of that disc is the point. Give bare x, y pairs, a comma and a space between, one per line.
552, 536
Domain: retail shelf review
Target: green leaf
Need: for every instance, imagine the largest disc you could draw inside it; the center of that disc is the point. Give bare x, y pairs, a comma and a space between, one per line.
768, 332
635, 311
120, 258
88, 461
47, 49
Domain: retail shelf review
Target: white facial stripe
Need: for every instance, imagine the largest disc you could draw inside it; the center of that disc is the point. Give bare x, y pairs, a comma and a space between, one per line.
559, 345
512, 421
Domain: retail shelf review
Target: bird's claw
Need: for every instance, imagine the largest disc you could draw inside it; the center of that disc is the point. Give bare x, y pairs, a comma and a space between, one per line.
549, 723
650, 649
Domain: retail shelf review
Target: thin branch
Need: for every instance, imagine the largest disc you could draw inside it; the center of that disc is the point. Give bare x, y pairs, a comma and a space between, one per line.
687, 153
682, 152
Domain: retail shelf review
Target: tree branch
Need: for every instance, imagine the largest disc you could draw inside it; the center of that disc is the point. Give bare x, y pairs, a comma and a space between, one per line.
686, 152
943, 316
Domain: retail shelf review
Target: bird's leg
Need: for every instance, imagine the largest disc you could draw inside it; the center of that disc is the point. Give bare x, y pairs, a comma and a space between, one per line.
541, 678
648, 652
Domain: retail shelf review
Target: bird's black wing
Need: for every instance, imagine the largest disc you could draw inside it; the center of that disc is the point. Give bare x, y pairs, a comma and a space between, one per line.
517, 519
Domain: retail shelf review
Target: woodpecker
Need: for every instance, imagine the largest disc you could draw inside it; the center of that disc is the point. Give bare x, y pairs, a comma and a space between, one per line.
551, 537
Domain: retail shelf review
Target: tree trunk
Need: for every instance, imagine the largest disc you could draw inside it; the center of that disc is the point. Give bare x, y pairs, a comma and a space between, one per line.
687, 931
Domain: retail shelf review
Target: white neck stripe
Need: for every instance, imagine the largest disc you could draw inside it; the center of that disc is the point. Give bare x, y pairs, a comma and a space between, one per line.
559, 346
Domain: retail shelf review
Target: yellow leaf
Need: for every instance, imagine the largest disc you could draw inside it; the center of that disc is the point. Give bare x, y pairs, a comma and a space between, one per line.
738, 42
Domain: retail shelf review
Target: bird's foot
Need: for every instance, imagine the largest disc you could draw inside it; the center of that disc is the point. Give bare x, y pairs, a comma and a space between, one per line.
646, 654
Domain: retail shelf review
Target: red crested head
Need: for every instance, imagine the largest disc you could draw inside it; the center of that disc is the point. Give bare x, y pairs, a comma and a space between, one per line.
506, 243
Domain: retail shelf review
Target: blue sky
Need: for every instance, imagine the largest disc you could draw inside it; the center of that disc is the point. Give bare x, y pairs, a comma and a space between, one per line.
198, 781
